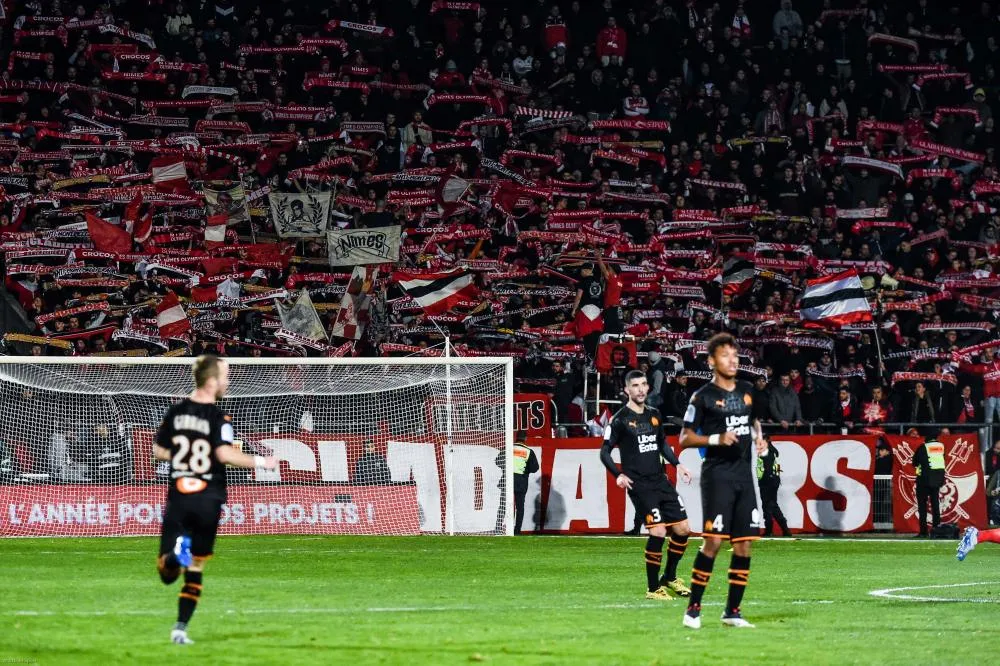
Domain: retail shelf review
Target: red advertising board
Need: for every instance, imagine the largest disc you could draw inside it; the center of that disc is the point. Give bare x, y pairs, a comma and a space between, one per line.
826, 486
962, 498
134, 510
533, 414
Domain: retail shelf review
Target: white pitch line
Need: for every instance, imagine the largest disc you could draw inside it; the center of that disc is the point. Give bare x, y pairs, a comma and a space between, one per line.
894, 593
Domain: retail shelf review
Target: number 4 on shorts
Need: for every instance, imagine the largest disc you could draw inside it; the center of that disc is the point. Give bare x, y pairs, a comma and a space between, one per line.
717, 523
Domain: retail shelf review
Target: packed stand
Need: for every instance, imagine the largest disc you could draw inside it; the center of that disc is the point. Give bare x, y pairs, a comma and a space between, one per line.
531, 177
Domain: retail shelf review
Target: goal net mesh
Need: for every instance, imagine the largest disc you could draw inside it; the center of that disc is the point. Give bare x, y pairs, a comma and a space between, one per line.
386, 448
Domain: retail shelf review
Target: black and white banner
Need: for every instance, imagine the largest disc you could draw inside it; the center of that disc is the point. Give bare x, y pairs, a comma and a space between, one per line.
358, 247
300, 215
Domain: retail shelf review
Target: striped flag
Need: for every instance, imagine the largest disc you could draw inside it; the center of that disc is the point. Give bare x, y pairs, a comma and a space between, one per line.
169, 174
737, 276
437, 292
171, 318
834, 301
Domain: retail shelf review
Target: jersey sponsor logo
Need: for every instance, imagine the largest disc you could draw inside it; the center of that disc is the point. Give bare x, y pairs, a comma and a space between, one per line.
647, 443
739, 425
189, 485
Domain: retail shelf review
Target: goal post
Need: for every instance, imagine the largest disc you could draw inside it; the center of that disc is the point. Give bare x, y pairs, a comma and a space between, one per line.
365, 445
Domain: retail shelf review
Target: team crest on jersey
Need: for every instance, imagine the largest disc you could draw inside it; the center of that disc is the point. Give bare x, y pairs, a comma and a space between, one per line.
747, 400
655, 421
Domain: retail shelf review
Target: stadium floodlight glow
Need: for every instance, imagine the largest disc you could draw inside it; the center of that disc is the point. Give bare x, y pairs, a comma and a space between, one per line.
367, 445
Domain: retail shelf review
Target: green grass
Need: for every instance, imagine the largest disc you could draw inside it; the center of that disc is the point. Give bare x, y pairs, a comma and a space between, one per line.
529, 600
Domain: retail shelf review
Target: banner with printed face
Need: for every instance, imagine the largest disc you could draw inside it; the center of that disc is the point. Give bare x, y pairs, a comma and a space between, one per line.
962, 497
300, 215
826, 486
231, 201
358, 247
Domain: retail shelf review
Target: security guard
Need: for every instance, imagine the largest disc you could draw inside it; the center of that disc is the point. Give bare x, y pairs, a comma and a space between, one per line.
769, 478
525, 464
928, 462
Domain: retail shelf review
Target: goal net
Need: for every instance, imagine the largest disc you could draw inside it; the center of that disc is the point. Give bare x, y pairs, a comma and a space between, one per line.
366, 446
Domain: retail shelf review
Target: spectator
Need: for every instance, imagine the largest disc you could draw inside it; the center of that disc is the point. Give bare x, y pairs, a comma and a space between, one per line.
991, 462
787, 23
846, 410
371, 468
883, 459
784, 404
656, 376
921, 408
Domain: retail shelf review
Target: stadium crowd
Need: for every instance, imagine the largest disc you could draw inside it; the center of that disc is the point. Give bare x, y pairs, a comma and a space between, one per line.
560, 171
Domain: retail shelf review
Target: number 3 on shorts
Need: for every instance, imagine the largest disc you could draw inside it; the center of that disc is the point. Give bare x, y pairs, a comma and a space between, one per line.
655, 513
717, 523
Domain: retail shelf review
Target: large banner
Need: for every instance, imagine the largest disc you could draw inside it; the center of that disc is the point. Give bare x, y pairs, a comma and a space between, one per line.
533, 414
962, 497
426, 461
99, 510
357, 247
300, 215
826, 486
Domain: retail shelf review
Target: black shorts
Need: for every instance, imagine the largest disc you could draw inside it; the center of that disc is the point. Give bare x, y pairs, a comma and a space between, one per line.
729, 507
196, 516
659, 503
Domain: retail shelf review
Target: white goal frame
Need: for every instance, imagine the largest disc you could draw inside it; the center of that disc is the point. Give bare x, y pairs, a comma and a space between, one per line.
447, 362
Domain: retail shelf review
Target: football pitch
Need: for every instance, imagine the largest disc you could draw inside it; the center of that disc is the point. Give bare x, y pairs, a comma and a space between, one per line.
461, 600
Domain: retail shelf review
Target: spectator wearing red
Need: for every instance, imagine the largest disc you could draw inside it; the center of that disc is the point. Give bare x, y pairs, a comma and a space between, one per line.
612, 44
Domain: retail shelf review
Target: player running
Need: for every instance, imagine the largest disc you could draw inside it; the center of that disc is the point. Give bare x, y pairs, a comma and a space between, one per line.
637, 431
973, 537
718, 420
197, 438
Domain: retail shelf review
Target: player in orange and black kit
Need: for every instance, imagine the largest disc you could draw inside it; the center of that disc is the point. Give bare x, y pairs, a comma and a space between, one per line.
637, 431
719, 421
197, 438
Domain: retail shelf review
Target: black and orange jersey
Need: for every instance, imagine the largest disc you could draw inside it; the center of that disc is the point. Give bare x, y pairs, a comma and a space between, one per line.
640, 439
192, 431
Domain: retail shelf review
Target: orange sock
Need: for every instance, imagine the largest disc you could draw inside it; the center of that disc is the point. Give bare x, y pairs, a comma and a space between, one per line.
989, 535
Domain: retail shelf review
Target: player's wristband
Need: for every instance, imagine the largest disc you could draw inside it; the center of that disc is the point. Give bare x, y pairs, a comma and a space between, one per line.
713, 440
259, 461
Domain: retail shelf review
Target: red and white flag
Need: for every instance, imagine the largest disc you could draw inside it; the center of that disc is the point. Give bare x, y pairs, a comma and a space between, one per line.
171, 318
141, 228
169, 174
215, 230
454, 195
589, 319
437, 292
834, 301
